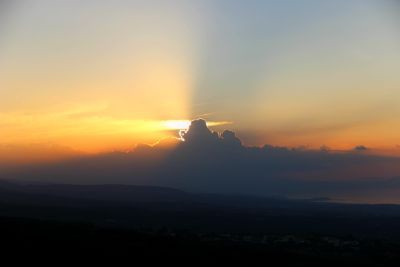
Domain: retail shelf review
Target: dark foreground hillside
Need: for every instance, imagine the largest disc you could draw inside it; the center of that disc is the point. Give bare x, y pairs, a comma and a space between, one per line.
149, 225
46, 241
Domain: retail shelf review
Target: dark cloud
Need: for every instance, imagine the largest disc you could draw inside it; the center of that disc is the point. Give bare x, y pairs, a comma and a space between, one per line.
360, 148
207, 161
198, 134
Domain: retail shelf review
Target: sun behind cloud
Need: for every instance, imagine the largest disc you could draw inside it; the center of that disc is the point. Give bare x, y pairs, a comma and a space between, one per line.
184, 124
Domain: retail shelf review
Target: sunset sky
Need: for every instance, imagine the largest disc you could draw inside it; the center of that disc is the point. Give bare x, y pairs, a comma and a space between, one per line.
97, 76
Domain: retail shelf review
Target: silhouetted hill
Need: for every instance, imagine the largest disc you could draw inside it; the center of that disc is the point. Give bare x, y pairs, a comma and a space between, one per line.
156, 207
135, 223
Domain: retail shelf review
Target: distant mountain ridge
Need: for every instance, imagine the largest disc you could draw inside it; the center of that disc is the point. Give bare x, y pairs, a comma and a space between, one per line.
106, 192
151, 207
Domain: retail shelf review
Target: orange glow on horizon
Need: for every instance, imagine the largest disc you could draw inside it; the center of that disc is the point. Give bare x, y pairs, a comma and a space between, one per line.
86, 130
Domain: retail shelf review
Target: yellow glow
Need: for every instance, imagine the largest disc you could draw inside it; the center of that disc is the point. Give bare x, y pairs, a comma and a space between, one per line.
85, 128
176, 124
184, 124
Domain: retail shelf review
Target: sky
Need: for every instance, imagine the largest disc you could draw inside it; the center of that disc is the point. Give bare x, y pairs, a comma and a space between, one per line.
97, 76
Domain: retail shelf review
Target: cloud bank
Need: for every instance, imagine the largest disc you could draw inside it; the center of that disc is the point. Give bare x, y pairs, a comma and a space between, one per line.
207, 161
